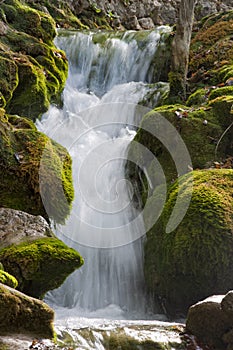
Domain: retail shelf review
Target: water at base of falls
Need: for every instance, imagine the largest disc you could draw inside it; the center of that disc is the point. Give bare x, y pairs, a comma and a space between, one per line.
108, 76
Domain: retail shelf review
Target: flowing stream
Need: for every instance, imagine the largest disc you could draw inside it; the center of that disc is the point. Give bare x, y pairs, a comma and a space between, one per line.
109, 74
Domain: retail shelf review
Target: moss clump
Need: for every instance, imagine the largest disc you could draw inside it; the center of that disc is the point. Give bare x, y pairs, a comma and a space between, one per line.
194, 260
36, 172
7, 279
41, 265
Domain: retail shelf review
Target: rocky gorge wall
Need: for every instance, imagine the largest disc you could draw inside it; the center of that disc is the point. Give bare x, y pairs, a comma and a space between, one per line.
121, 14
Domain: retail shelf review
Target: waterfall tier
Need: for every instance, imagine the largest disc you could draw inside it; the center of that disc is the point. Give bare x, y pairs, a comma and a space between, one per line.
109, 74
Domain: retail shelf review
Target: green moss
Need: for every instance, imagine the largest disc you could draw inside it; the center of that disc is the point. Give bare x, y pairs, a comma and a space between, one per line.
222, 109
211, 51
8, 78
40, 265
223, 91
9, 280
33, 71
199, 138
33, 166
198, 98
177, 92
25, 19
194, 260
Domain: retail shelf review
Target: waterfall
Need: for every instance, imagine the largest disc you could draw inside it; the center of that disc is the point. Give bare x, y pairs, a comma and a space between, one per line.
109, 74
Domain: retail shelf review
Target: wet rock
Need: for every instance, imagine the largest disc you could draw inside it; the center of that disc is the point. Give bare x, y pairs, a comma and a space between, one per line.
208, 321
17, 226
23, 314
211, 321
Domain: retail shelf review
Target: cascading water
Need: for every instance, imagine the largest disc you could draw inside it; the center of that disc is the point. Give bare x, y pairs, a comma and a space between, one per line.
108, 75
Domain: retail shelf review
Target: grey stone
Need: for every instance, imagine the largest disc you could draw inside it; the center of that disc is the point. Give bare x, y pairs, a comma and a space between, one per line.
208, 322
17, 226
146, 23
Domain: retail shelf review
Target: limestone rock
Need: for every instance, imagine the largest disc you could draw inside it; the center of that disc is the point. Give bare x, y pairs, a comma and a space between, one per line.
17, 226
207, 321
146, 23
23, 314
211, 321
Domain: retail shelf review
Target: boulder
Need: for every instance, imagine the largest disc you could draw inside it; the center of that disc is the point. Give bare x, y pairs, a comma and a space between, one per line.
32, 70
23, 314
36, 171
208, 322
211, 321
17, 226
195, 259
40, 265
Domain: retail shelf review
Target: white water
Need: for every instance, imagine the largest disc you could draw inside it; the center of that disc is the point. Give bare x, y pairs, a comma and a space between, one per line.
105, 83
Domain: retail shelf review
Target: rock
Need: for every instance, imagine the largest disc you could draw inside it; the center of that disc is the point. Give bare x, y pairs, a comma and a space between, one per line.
23, 314
227, 304
40, 265
208, 321
32, 70
196, 258
17, 226
36, 172
80, 13
146, 23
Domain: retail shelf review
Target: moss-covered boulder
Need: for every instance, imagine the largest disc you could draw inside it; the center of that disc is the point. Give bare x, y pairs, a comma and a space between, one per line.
195, 259
7, 279
32, 70
41, 265
200, 128
36, 171
22, 314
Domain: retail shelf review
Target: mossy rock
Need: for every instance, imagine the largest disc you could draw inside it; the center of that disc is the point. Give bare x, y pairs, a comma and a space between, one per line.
195, 259
198, 98
199, 138
21, 314
25, 19
36, 171
41, 265
7, 279
62, 12
33, 70
211, 51
8, 78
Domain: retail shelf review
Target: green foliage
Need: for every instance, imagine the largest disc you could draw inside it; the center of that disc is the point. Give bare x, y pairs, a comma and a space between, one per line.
41, 265
194, 260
